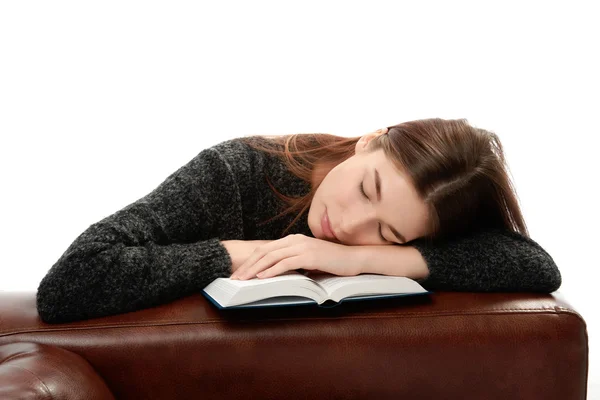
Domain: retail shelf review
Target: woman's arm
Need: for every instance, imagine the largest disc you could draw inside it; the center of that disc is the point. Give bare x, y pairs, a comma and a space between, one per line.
487, 261
392, 260
162, 247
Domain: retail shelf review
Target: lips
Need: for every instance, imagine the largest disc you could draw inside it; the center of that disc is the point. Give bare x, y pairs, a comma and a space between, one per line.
326, 226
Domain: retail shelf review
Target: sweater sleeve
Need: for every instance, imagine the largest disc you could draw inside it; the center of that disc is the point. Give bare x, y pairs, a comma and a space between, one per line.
160, 248
488, 261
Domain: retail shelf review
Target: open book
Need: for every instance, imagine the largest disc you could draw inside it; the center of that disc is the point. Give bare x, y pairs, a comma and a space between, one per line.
295, 288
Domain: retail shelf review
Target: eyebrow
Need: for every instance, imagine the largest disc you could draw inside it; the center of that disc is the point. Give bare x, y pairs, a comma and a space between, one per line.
398, 235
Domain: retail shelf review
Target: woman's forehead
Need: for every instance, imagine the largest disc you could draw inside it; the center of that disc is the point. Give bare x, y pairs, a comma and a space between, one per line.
378, 159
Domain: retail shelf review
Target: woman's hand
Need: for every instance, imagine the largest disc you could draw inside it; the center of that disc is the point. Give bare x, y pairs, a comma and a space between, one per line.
240, 250
299, 251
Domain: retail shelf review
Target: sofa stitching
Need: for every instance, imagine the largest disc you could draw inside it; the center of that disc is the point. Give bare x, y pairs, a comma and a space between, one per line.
544, 310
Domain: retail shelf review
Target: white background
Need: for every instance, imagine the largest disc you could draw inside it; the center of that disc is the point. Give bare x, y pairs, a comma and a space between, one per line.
101, 101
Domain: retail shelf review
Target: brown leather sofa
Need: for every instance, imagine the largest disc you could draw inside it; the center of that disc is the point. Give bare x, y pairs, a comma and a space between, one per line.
447, 345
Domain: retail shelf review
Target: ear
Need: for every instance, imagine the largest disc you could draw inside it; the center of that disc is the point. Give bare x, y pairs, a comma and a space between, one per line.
365, 139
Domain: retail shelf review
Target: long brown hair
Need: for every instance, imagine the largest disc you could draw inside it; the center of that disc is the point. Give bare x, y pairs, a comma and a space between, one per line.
458, 170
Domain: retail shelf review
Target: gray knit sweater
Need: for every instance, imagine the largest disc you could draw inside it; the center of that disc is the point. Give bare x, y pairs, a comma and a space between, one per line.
166, 245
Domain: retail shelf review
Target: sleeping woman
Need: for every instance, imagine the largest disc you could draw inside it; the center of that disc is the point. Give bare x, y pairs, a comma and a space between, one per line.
427, 199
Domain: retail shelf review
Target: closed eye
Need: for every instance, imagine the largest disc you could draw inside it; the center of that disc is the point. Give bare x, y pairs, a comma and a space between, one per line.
362, 190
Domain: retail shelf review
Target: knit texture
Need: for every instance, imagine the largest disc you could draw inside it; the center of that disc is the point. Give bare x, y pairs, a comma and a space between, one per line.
167, 245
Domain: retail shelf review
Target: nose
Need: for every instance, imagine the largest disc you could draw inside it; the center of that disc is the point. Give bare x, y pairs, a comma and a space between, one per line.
357, 224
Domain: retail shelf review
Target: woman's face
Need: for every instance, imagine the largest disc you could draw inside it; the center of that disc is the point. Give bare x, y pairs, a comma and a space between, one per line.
356, 219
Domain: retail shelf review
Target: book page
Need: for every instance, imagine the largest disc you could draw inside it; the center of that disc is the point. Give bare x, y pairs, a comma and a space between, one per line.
293, 287
286, 276
339, 287
280, 289
331, 282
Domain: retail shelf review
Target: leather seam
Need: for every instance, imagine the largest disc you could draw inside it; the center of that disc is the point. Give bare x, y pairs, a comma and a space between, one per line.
550, 310
48, 392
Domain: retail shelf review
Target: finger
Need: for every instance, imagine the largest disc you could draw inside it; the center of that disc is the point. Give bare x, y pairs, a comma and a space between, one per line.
263, 263
268, 261
257, 254
251, 260
285, 265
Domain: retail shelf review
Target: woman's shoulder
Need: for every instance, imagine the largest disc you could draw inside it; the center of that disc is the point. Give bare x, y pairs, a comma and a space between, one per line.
249, 144
248, 150
245, 162
250, 159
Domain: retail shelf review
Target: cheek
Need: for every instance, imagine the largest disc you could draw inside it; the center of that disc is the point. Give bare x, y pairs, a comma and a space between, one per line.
337, 191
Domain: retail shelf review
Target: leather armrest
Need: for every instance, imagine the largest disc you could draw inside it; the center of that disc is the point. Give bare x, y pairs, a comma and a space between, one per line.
448, 345
39, 371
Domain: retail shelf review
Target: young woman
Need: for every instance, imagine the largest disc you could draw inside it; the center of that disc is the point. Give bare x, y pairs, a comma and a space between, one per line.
427, 199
